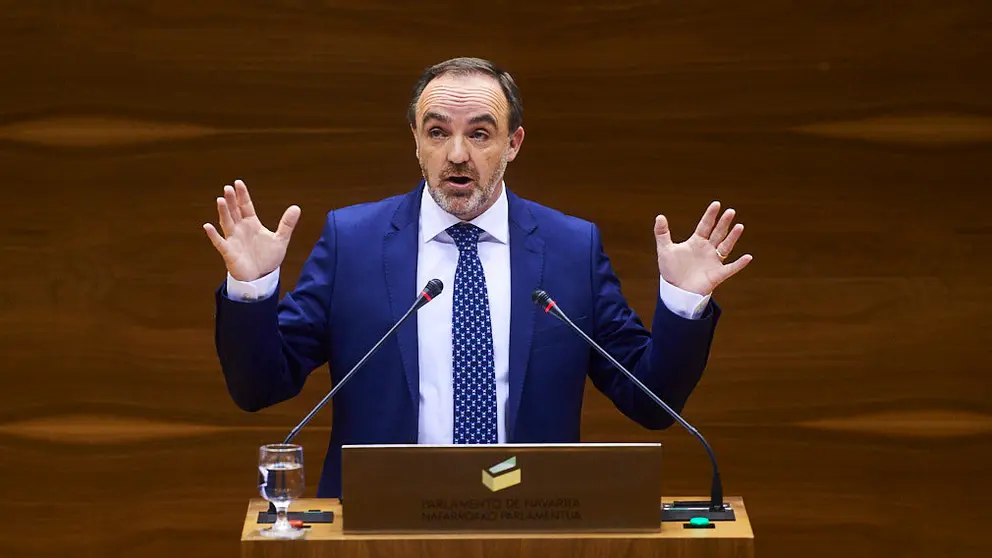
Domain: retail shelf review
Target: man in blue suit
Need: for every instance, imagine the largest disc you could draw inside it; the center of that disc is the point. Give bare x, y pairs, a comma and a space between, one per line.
480, 364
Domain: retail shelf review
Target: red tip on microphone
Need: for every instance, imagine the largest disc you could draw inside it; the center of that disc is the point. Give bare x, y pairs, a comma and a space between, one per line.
427, 296
551, 305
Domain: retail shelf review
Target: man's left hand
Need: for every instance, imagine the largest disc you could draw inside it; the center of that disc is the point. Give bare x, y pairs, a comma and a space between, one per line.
697, 264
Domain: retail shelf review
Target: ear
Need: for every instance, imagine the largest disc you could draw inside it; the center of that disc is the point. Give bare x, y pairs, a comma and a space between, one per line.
416, 142
516, 140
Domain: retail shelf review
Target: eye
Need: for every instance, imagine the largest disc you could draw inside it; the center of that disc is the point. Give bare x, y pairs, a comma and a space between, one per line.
480, 135
435, 133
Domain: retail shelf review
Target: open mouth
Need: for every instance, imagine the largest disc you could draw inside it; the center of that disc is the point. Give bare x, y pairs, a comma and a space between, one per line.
460, 180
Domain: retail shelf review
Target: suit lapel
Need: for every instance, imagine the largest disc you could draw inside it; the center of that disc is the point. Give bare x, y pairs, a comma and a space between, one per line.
400, 270
526, 269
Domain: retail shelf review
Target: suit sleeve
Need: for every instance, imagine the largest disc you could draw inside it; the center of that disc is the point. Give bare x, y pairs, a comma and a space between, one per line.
669, 360
267, 348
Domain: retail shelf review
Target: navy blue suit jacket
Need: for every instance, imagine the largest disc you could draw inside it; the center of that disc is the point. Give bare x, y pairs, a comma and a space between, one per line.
361, 277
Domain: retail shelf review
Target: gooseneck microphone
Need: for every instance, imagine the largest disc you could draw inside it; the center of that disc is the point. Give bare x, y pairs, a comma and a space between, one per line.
431, 290
716, 506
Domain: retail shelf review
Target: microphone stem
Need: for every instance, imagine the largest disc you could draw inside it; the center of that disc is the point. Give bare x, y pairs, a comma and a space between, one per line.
354, 369
716, 490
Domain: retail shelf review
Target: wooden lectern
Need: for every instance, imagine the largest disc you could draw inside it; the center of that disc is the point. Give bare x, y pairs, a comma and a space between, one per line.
723, 540
541, 500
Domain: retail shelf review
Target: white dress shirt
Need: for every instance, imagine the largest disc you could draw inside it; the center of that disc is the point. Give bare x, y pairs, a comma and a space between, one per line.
437, 256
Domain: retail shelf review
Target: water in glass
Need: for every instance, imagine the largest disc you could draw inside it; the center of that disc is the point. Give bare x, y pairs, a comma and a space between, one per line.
281, 480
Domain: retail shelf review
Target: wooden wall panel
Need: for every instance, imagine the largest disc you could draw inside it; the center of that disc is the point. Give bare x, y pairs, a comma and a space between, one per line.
848, 392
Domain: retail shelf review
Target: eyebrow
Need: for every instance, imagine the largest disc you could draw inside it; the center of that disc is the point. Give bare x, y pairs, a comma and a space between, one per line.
431, 115
484, 118
487, 118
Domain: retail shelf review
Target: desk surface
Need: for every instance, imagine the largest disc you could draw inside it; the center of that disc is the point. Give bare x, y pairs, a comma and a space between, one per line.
739, 529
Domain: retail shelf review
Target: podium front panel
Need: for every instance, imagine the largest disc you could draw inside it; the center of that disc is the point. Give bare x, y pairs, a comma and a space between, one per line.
508, 488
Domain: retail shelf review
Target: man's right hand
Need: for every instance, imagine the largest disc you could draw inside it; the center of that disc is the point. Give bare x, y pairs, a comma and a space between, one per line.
250, 251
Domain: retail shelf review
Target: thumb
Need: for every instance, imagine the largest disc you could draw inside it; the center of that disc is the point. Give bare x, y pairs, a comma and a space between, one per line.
288, 222
661, 233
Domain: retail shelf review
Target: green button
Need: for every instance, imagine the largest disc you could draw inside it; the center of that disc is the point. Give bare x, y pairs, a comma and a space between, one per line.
699, 521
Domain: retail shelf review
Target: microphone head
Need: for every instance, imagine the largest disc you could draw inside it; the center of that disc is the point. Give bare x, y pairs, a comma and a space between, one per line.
544, 301
541, 298
433, 288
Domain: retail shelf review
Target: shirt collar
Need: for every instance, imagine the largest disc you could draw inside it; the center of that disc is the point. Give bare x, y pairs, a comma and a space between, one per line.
494, 221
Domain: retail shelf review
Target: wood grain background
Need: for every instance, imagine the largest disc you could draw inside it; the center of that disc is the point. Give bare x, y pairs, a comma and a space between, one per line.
848, 395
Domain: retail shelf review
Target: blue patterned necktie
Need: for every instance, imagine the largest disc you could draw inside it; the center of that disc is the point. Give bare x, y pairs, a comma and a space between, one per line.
473, 372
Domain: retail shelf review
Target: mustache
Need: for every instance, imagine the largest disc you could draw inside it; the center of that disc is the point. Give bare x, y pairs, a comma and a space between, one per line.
459, 170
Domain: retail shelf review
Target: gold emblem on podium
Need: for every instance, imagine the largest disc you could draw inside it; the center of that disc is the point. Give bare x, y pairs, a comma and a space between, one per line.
501, 475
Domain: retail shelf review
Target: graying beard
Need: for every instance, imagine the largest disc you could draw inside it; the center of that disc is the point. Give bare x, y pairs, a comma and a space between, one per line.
442, 201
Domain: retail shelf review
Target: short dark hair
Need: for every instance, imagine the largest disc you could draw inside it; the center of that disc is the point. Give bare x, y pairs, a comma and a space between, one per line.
463, 66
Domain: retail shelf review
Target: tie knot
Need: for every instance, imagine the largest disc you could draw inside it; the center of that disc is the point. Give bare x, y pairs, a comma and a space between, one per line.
466, 236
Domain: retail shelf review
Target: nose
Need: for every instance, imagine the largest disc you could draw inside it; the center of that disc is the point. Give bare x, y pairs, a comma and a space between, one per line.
458, 153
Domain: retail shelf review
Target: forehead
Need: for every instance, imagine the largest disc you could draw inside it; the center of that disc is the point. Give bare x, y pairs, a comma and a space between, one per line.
463, 96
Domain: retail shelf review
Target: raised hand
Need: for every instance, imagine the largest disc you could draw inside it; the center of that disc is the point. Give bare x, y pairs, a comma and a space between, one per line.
696, 265
250, 251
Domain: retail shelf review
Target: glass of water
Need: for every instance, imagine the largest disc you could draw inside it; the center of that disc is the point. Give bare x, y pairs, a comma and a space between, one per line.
280, 481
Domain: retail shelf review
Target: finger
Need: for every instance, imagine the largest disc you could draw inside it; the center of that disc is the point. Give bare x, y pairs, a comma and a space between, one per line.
727, 246
705, 226
734, 267
232, 203
224, 214
288, 222
218, 241
662, 234
722, 226
244, 200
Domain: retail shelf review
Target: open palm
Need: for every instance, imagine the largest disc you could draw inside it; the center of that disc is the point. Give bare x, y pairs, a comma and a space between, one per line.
249, 249
697, 264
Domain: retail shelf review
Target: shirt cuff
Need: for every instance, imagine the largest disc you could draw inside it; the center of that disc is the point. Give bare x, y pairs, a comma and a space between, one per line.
683, 303
259, 289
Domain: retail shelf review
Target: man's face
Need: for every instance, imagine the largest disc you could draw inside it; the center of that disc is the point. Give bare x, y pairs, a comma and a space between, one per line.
463, 143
